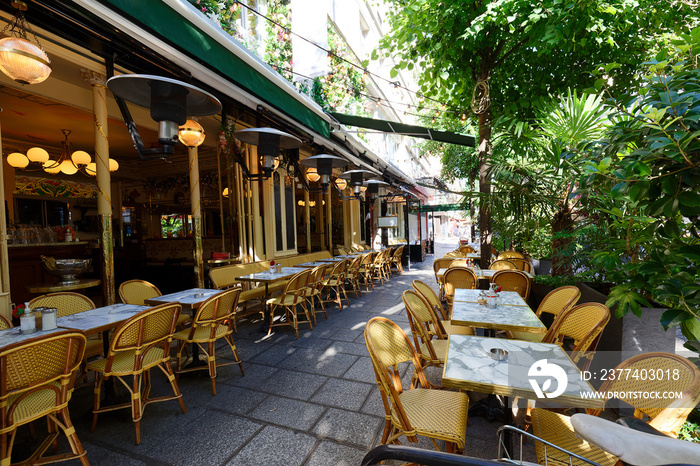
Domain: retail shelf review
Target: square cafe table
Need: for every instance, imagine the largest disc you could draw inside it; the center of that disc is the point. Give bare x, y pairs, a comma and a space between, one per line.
501, 317
481, 273
188, 299
101, 319
511, 298
312, 264
469, 366
10, 336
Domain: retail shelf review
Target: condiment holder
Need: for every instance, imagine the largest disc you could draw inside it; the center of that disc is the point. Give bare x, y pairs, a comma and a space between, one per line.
199, 295
27, 323
48, 318
499, 354
278, 268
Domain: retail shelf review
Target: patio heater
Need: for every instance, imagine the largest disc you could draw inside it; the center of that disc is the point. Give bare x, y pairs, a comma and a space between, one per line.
356, 179
324, 165
269, 142
171, 102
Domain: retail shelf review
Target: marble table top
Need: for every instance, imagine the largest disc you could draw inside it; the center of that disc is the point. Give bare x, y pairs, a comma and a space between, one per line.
511, 298
12, 335
503, 316
469, 366
331, 259
269, 276
313, 264
101, 318
473, 255
192, 298
481, 273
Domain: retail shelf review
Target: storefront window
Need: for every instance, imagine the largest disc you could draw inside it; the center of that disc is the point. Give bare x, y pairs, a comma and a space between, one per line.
175, 225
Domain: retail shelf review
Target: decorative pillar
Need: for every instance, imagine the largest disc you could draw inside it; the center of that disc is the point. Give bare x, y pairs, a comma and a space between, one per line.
104, 181
329, 219
5, 297
307, 213
196, 206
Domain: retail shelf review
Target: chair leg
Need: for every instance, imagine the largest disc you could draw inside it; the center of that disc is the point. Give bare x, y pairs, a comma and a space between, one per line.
234, 349
72, 437
173, 384
211, 359
136, 406
96, 403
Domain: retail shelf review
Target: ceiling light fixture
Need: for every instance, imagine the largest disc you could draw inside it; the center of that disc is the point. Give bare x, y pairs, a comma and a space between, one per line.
20, 59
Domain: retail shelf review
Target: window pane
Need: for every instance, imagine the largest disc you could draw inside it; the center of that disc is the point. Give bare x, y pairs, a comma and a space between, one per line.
278, 210
289, 207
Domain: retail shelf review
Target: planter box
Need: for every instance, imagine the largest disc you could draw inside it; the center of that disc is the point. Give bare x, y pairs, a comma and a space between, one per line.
541, 266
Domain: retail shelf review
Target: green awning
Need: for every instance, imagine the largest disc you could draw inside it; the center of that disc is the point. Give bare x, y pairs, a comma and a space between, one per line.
441, 207
405, 130
164, 21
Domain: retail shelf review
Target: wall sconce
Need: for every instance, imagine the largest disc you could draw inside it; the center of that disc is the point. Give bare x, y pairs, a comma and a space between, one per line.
191, 134
269, 141
20, 59
170, 103
324, 165
224, 193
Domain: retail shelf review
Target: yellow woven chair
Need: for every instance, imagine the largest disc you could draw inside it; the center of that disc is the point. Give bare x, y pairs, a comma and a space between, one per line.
441, 263
352, 275
511, 254
37, 380
429, 295
521, 264
666, 415
584, 324
454, 255
68, 303
424, 326
294, 295
513, 280
335, 282
502, 264
395, 261
213, 321
5, 323
367, 269
458, 263
465, 249
557, 301
314, 288
383, 264
412, 411
138, 291
458, 277
138, 345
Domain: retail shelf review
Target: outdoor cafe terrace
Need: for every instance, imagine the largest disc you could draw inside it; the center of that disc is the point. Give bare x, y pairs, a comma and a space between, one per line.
314, 399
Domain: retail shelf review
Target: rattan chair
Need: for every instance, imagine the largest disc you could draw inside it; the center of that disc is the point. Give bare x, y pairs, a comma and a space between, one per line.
395, 261
335, 283
367, 270
430, 296
314, 288
213, 321
37, 380
424, 326
138, 291
441, 263
458, 277
5, 323
509, 254
458, 263
666, 414
503, 264
138, 345
412, 411
583, 324
68, 303
352, 275
294, 295
513, 280
557, 301
465, 249
384, 265
521, 264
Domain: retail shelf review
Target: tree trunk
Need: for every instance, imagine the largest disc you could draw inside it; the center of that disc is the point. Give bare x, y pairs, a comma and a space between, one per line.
485, 186
562, 223
472, 205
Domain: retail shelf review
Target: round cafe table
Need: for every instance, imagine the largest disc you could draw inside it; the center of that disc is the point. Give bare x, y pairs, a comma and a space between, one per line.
53, 287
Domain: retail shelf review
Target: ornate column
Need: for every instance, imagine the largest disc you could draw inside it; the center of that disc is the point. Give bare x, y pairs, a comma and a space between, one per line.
104, 182
196, 205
